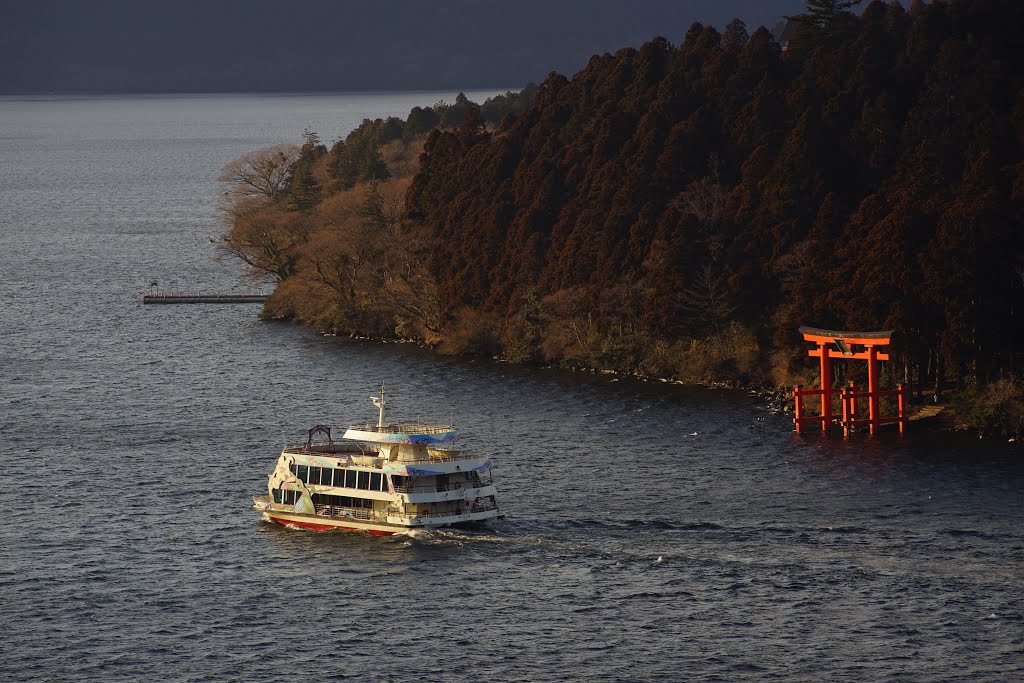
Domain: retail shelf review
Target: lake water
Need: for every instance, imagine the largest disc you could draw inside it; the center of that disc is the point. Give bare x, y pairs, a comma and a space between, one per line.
652, 531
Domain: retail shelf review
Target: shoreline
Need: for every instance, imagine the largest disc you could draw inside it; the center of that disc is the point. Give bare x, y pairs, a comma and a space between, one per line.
776, 401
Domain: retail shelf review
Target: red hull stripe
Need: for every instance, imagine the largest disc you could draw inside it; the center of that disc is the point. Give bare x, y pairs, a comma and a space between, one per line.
328, 527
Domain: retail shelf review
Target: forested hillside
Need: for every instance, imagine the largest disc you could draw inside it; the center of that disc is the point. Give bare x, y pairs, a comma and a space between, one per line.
680, 211
672, 207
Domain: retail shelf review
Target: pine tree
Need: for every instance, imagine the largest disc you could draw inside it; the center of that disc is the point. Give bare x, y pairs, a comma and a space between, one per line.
829, 20
305, 192
735, 36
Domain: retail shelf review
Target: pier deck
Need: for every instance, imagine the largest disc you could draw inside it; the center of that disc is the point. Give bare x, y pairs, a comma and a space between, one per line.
192, 298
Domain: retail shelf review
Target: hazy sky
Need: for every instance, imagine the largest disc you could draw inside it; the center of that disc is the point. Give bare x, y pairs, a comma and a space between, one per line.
241, 45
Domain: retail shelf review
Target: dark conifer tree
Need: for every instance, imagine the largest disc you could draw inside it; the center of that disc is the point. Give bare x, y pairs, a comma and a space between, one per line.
869, 176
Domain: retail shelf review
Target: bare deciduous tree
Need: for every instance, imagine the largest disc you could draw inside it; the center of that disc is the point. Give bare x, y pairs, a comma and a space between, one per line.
704, 198
365, 255
267, 241
707, 301
262, 174
570, 328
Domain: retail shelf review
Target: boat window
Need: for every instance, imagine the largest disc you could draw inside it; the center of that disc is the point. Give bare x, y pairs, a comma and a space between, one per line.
291, 467
339, 478
277, 495
314, 475
350, 479
325, 476
364, 480
375, 481
397, 480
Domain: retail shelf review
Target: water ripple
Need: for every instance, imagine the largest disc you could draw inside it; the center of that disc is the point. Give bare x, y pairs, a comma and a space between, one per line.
133, 440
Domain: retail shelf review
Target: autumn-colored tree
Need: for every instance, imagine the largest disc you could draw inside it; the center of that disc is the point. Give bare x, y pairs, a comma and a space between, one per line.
268, 241
262, 175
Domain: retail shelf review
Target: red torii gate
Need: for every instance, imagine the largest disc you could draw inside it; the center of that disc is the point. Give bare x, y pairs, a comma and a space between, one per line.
844, 344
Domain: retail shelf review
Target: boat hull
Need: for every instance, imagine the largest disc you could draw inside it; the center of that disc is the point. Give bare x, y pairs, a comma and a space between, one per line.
326, 524
321, 523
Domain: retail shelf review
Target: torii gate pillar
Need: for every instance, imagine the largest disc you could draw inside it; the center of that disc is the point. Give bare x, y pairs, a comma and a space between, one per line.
873, 403
825, 384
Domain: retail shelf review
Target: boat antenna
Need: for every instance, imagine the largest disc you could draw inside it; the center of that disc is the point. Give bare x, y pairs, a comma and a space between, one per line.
379, 402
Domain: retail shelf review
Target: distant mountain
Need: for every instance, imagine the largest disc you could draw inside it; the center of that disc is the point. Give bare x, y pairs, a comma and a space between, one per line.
66, 46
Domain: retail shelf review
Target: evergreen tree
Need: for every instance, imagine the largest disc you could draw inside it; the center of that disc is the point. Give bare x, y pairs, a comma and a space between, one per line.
421, 120
304, 191
828, 20
735, 36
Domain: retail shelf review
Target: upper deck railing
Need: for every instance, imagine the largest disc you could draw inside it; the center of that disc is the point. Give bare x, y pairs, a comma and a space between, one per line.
442, 488
404, 428
328, 449
379, 461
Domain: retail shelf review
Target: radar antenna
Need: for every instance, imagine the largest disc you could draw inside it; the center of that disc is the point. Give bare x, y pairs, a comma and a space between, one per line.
379, 402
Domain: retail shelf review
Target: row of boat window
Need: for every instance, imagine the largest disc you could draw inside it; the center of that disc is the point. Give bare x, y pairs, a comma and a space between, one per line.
290, 497
341, 501
285, 497
350, 479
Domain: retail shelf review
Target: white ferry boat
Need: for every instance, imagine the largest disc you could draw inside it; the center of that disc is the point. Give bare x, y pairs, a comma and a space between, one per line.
383, 479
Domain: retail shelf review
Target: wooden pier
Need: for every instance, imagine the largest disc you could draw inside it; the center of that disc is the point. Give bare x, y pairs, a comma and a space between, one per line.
193, 298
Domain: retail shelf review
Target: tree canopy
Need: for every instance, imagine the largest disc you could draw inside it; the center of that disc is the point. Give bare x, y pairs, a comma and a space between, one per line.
681, 210
868, 177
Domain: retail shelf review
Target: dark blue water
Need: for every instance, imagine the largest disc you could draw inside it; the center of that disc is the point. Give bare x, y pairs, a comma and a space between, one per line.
653, 532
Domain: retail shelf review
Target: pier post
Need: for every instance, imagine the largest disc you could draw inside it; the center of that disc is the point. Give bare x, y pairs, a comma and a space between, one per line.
844, 396
901, 402
798, 407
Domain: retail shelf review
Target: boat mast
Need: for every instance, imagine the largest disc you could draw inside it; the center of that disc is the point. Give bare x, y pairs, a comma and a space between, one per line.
379, 402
